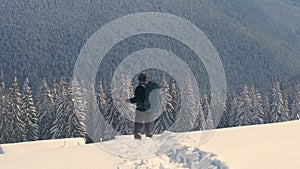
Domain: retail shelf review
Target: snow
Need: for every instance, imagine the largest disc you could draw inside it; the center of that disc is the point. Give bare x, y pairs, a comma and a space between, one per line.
271, 146
127, 147
40, 145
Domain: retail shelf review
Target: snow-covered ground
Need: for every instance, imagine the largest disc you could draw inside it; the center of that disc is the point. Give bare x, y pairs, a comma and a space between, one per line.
272, 146
40, 145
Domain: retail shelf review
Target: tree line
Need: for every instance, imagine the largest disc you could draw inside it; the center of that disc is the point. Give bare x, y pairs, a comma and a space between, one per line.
251, 107
64, 110
53, 116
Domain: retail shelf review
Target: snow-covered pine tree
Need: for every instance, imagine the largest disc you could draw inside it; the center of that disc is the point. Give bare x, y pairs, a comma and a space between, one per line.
84, 92
123, 125
167, 118
31, 127
257, 116
131, 89
55, 94
251, 94
65, 107
5, 115
101, 97
286, 105
176, 98
95, 121
17, 114
244, 108
187, 115
233, 111
125, 91
45, 111
207, 112
277, 110
103, 130
200, 123
77, 127
295, 108
225, 119
130, 93
55, 90
109, 132
113, 117
266, 109
110, 114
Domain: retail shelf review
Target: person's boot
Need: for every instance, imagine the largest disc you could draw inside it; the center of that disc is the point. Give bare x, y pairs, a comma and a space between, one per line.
137, 137
148, 130
149, 135
136, 132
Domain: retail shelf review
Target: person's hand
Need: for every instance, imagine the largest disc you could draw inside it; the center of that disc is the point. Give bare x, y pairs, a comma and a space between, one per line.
123, 101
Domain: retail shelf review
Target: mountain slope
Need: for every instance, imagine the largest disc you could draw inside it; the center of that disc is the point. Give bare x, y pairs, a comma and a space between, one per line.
255, 39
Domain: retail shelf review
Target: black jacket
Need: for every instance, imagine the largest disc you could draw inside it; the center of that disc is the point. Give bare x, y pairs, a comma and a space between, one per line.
139, 97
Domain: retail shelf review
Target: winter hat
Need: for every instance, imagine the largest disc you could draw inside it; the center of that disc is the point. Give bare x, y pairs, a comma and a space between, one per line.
143, 77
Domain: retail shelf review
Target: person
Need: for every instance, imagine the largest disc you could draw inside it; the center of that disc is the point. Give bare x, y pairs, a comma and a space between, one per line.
142, 113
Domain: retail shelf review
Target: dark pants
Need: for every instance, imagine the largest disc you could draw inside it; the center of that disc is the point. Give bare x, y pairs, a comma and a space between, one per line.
142, 117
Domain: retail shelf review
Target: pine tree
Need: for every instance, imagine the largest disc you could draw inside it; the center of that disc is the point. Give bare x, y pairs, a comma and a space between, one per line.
111, 114
176, 98
207, 112
55, 94
5, 127
277, 109
45, 111
267, 108
257, 116
295, 108
244, 108
84, 94
225, 119
200, 123
17, 114
113, 117
286, 105
125, 91
91, 111
77, 127
131, 107
65, 107
101, 129
55, 90
123, 125
167, 118
101, 97
187, 116
233, 111
31, 128
95, 120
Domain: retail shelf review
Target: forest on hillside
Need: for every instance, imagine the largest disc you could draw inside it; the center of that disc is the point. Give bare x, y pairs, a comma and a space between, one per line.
42, 39
53, 114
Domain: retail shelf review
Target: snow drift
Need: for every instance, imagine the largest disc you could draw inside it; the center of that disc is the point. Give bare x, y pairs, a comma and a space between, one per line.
271, 146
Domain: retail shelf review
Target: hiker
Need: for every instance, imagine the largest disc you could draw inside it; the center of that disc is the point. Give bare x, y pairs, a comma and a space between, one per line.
141, 99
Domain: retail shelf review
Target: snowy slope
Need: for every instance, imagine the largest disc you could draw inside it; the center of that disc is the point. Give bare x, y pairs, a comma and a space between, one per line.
41, 145
272, 146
